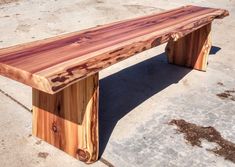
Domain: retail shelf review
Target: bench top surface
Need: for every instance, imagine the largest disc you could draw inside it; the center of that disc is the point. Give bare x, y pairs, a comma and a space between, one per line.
54, 63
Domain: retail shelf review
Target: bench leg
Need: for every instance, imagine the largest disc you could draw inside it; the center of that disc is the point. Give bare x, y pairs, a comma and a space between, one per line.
68, 120
191, 50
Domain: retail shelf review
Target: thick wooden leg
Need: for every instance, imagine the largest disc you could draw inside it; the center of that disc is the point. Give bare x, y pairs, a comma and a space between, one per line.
69, 119
191, 50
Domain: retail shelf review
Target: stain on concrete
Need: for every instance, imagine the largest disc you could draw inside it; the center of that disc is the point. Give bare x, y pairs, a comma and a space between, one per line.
229, 91
99, 1
185, 83
220, 83
2, 144
104, 8
142, 8
39, 142
227, 95
52, 18
23, 28
194, 134
7, 1
43, 155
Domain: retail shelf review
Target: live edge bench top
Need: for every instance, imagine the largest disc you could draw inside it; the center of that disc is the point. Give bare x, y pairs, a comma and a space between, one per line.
52, 64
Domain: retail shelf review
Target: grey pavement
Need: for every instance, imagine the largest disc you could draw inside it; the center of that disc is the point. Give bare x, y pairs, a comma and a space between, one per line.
138, 97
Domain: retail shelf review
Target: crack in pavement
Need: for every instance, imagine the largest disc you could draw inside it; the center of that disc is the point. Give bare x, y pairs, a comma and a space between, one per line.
104, 161
16, 101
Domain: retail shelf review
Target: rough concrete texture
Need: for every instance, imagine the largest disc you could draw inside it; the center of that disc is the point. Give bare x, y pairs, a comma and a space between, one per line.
139, 96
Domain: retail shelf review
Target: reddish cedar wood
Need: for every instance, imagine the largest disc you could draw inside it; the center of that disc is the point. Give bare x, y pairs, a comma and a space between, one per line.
68, 119
191, 50
52, 64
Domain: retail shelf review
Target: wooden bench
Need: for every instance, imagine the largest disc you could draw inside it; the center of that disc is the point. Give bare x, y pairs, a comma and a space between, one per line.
63, 70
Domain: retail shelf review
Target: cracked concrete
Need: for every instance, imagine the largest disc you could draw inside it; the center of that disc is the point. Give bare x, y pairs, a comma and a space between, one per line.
139, 96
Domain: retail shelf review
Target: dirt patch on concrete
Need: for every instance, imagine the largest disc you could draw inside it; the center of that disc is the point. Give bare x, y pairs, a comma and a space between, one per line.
227, 94
39, 142
7, 1
142, 8
43, 155
220, 83
194, 134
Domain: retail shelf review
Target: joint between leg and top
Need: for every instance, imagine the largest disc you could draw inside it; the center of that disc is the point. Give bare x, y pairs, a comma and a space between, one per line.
191, 50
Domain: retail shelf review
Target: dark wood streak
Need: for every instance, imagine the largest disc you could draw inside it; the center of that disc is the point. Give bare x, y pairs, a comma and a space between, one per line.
59, 79
116, 51
156, 42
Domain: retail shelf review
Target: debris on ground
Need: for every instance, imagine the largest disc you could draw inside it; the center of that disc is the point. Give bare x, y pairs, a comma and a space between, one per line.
7, 1
43, 155
220, 83
227, 94
39, 142
194, 134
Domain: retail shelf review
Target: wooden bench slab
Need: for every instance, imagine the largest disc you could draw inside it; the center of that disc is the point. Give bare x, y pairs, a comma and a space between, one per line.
52, 64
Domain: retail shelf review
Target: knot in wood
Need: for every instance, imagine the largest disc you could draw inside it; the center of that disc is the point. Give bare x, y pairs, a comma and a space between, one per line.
83, 155
175, 36
54, 127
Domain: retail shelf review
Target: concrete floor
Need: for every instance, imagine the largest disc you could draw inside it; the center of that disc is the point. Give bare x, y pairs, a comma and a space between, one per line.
139, 96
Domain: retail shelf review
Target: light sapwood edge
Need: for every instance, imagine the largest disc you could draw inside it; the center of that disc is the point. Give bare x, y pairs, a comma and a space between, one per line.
37, 82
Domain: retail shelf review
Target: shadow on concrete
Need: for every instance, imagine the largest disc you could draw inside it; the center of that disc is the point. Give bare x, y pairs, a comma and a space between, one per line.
214, 50
124, 90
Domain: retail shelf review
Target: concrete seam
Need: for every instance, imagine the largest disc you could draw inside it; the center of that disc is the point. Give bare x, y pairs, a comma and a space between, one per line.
13, 99
106, 162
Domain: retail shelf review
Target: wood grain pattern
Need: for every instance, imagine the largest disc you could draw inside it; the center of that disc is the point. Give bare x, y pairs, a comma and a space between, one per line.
52, 64
69, 119
191, 50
